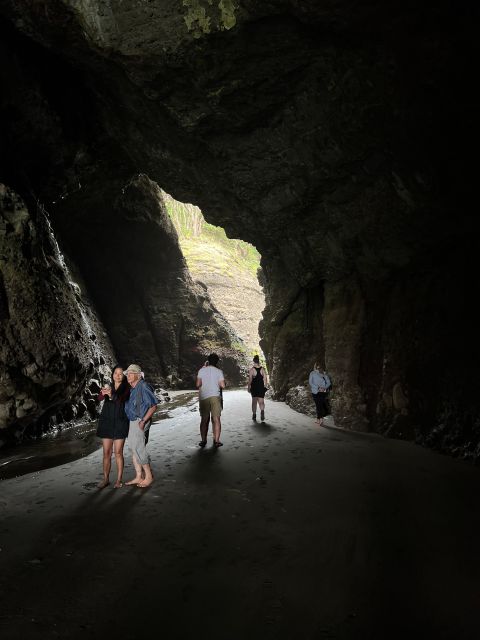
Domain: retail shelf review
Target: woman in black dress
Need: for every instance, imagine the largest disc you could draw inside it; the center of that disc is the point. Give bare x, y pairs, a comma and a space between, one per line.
113, 425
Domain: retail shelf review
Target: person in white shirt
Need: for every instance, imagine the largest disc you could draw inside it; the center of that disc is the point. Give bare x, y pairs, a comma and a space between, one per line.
210, 382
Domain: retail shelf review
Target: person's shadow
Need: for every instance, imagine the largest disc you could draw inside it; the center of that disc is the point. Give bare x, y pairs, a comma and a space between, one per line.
263, 428
205, 466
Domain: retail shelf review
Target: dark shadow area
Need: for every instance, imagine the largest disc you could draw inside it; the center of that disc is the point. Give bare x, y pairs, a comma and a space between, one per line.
206, 466
51, 451
262, 428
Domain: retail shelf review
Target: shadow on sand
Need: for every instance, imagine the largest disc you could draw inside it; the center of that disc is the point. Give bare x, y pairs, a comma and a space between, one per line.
263, 428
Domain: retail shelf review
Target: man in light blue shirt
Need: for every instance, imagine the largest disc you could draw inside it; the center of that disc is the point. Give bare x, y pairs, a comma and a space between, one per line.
319, 383
139, 408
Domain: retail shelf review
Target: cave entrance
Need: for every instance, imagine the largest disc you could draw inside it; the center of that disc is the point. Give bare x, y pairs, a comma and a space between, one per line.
227, 267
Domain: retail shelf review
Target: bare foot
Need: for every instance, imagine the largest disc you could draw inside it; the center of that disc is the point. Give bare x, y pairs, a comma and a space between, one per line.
145, 483
118, 484
103, 484
134, 481
317, 421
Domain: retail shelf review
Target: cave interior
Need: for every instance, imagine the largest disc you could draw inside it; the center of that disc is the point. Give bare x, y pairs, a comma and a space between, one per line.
338, 140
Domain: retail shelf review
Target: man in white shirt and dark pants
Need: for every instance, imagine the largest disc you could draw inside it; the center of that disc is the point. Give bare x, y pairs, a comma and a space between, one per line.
210, 382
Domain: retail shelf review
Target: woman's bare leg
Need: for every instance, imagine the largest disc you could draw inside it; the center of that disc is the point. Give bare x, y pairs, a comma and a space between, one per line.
261, 404
107, 444
118, 449
254, 405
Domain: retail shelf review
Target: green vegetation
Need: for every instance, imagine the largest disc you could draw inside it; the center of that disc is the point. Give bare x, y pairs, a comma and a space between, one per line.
207, 246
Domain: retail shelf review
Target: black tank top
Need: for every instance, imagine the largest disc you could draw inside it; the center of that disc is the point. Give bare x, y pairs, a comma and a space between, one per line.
257, 380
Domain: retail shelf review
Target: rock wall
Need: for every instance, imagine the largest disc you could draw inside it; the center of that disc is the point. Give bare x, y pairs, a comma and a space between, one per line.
127, 248
51, 342
240, 299
336, 141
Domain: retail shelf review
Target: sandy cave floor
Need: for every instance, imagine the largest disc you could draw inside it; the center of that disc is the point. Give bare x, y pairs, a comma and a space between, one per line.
288, 531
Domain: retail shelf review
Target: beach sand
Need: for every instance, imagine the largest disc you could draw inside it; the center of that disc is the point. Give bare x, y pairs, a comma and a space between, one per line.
289, 530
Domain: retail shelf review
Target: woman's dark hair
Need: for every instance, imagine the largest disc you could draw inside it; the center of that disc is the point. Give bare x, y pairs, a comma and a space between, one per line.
124, 388
256, 359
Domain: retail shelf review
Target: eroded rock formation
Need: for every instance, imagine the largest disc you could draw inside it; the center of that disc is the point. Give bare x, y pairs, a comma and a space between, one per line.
52, 345
334, 139
127, 248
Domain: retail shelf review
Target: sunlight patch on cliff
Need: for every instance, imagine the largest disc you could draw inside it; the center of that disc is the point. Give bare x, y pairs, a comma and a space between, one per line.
227, 267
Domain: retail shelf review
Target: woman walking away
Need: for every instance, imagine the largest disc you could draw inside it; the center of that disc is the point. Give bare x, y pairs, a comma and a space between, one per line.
113, 425
319, 384
257, 380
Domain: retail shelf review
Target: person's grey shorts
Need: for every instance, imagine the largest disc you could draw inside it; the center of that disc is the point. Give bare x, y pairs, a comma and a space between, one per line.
136, 442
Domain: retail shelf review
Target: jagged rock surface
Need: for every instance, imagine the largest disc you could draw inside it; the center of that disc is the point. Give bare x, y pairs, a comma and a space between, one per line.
51, 343
127, 248
334, 140
240, 299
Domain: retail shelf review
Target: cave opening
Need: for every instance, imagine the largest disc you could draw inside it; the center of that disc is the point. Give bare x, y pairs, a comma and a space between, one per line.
228, 268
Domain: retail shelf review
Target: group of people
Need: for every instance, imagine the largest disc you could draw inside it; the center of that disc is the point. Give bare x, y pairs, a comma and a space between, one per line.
210, 384
129, 404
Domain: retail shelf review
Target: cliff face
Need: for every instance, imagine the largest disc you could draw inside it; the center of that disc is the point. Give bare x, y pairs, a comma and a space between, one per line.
55, 350
127, 248
228, 268
335, 141
51, 343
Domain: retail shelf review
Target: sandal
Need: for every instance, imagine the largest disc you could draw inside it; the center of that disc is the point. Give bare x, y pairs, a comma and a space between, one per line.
202, 443
218, 444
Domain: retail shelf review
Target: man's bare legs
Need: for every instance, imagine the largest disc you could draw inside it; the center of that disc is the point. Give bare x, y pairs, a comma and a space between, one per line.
138, 471
143, 474
118, 450
107, 444
205, 421
148, 479
217, 429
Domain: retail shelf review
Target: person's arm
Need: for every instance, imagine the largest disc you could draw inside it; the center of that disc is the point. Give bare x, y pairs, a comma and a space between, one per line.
221, 383
323, 384
105, 392
265, 378
250, 378
147, 416
198, 383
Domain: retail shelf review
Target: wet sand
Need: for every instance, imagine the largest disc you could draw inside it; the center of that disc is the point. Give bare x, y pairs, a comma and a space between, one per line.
68, 444
288, 531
